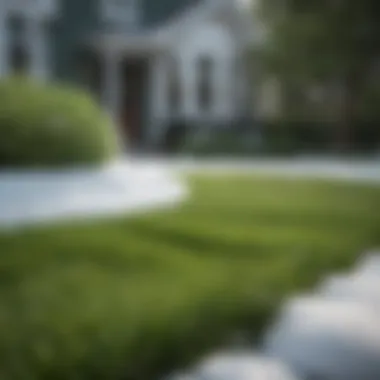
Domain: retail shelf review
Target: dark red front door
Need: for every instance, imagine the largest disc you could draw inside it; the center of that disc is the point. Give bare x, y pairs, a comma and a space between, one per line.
134, 100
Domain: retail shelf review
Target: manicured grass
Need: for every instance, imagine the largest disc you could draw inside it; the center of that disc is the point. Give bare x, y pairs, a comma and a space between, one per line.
130, 299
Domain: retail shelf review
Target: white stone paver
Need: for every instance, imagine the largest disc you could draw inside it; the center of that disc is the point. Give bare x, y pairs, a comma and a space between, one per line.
332, 338
330, 334
369, 263
361, 287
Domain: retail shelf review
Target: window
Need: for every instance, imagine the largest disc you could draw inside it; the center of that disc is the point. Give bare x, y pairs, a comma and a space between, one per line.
18, 55
119, 12
29, 45
16, 27
205, 71
19, 59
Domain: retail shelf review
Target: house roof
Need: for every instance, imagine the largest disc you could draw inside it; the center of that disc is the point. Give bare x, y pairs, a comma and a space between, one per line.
156, 13
176, 15
158, 19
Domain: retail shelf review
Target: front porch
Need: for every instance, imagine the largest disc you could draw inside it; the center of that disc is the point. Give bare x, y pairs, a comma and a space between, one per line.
126, 74
148, 84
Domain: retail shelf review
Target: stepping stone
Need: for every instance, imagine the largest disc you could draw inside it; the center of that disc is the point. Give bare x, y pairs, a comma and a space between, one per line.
361, 287
323, 338
242, 366
370, 263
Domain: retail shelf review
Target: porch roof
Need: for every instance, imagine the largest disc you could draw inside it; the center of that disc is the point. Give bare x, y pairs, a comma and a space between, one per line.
130, 43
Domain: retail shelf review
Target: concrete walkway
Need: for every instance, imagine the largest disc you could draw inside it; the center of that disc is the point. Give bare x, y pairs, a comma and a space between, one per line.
138, 184
352, 170
119, 188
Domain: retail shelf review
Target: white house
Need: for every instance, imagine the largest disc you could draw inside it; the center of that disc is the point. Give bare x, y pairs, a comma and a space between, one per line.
155, 65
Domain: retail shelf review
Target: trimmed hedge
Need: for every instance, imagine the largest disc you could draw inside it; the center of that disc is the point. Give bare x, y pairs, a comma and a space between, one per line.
50, 125
230, 142
282, 138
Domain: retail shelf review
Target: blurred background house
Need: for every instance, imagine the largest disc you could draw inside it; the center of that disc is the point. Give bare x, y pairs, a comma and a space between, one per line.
160, 67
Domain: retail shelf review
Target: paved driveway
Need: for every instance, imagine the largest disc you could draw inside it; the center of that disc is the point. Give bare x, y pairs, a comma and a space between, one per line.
355, 170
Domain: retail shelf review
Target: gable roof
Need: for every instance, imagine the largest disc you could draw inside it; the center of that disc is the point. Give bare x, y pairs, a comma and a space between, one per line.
157, 13
163, 20
229, 12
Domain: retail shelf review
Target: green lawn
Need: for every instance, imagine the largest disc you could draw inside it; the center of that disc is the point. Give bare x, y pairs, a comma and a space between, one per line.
128, 299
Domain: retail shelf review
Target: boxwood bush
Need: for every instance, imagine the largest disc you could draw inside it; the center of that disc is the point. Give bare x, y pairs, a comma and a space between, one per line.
281, 138
51, 125
221, 142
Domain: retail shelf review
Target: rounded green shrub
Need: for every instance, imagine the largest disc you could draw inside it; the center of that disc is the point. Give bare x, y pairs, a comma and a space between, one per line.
51, 125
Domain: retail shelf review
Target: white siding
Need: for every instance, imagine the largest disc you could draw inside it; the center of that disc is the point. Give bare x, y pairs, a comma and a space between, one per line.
212, 40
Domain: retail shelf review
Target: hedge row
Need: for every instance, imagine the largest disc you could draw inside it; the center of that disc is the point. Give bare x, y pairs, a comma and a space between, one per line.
281, 138
49, 125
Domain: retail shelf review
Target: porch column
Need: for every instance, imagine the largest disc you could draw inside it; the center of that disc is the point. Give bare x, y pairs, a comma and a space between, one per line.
37, 37
111, 88
3, 43
236, 86
112, 83
220, 81
158, 98
243, 88
189, 81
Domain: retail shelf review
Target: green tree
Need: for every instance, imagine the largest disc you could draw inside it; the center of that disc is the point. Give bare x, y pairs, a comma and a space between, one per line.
335, 43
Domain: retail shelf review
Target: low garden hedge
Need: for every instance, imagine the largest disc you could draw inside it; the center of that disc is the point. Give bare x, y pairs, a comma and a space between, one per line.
282, 138
51, 125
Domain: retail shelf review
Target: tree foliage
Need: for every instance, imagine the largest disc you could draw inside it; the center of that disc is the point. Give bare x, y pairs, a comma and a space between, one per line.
322, 38
335, 43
